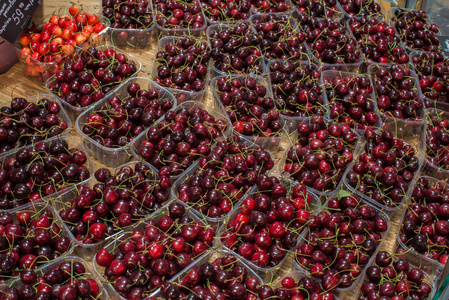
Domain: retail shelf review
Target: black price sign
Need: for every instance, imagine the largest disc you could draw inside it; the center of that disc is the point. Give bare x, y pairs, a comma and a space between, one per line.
444, 41
14, 16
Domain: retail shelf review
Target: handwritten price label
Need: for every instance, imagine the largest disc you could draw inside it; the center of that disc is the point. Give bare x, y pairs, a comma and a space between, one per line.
444, 41
14, 16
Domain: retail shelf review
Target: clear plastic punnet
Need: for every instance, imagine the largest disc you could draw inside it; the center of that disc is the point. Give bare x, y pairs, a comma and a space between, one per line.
75, 111
410, 130
89, 273
268, 273
427, 263
132, 38
35, 211
270, 143
185, 177
292, 121
62, 115
433, 166
180, 94
166, 31
117, 156
426, 279
330, 76
208, 258
114, 246
60, 189
219, 28
190, 105
39, 71
384, 235
88, 250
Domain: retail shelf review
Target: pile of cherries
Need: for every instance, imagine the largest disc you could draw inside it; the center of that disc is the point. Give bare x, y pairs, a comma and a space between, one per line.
122, 118
222, 278
425, 227
172, 14
321, 153
229, 10
29, 238
397, 92
385, 169
55, 40
68, 280
437, 139
361, 8
39, 171
433, 72
266, 6
394, 279
289, 288
296, 88
115, 202
318, 8
350, 100
378, 41
235, 49
269, 221
24, 122
136, 14
224, 176
184, 135
280, 37
341, 241
155, 252
415, 31
328, 41
248, 105
182, 64
90, 75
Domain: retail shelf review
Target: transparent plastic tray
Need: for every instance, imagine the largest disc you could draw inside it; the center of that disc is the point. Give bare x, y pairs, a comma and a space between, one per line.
429, 168
411, 131
266, 273
73, 143
114, 157
280, 166
288, 32
184, 178
88, 251
62, 114
289, 11
75, 111
208, 258
188, 95
89, 274
428, 103
35, 210
427, 279
360, 13
189, 105
270, 143
333, 74
226, 26
132, 38
39, 71
340, 291
390, 15
367, 61
114, 245
427, 264
372, 202
163, 31
292, 122
297, 276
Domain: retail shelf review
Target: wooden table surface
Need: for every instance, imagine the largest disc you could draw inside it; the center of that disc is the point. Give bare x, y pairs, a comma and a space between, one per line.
15, 84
